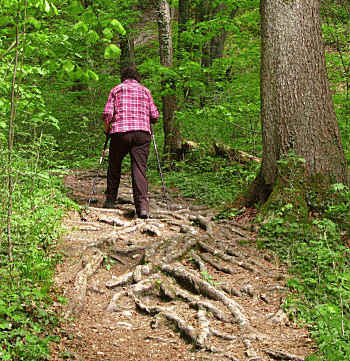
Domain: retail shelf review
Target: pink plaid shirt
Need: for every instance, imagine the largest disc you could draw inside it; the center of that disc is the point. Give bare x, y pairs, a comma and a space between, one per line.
130, 107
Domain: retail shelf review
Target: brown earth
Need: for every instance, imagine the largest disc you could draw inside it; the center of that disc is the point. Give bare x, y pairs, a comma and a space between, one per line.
177, 286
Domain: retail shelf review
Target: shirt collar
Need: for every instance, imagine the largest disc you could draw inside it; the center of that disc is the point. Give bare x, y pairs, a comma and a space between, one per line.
130, 81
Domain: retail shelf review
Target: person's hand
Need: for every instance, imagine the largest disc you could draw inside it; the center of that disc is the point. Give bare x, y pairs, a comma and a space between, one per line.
106, 126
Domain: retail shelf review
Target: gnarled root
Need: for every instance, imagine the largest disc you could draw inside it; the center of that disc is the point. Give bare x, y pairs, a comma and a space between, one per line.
206, 289
91, 262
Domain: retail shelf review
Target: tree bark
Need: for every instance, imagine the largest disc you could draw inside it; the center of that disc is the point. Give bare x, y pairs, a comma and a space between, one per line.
184, 16
217, 43
296, 105
127, 57
213, 48
204, 14
172, 138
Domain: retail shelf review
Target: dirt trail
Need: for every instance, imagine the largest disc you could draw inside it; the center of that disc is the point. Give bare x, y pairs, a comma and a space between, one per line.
177, 286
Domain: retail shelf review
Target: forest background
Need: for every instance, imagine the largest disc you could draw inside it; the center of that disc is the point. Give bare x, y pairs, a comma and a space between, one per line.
59, 60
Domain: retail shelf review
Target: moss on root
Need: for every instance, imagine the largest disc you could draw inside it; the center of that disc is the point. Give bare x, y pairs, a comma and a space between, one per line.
296, 195
288, 195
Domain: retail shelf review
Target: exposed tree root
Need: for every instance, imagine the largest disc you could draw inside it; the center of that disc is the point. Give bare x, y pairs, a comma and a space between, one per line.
90, 263
279, 317
225, 257
198, 337
120, 281
203, 222
217, 265
199, 262
206, 289
177, 254
192, 289
113, 221
173, 291
106, 210
132, 291
129, 251
189, 272
250, 351
281, 355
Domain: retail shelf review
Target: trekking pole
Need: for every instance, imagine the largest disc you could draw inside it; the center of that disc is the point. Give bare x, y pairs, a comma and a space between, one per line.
92, 192
160, 169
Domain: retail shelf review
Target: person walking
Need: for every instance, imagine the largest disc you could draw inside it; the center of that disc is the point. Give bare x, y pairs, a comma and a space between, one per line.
127, 117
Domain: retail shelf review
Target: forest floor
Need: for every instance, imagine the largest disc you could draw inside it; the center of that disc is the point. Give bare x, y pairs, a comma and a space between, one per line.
177, 286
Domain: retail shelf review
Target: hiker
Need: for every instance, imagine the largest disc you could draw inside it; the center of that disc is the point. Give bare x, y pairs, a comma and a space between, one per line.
127, 116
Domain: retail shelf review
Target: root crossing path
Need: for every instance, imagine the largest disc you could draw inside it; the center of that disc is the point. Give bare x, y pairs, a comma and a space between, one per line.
177, 286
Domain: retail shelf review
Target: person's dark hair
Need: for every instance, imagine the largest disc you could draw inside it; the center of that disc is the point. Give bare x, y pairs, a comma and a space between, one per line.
130, 72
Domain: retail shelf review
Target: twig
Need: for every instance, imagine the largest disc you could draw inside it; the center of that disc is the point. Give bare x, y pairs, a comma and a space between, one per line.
13, 45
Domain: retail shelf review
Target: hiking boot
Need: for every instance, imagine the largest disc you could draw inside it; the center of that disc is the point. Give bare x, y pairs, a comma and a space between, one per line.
143, 214
108, 203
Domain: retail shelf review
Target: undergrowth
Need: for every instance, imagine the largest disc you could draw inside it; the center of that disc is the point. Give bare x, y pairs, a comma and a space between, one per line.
316, 252
26, 320
318, 257
206, 178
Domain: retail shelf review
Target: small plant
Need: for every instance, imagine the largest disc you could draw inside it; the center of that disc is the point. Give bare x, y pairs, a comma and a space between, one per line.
209, 278
319, 262
26, 321
109, 262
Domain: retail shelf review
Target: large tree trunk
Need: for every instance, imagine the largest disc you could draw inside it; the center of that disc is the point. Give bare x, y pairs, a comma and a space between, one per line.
297, 110
184, 17
172, 139
214, 47
127, 57
217, 43
204, 14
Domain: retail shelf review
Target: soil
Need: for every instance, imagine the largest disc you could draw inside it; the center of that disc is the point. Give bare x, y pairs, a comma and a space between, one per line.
177, 286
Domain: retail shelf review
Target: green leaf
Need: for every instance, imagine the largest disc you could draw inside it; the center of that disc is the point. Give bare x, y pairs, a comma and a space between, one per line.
77, 74
46, 6
92, 75
116, 25
5, 325
68, 66
5, 20
338, 187
90, 18
112, 52
76, 8
54, 9
2, 107
34, 22
108, 33
92, 36
80, 26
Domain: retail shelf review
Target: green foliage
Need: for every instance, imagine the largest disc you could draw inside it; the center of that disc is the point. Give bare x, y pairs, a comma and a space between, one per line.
206, 178
207, 277
69, 61
336, 32
112, 52
319, 260
26, 320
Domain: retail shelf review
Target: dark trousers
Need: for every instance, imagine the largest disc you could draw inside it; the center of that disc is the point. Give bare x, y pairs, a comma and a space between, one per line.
137, 144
